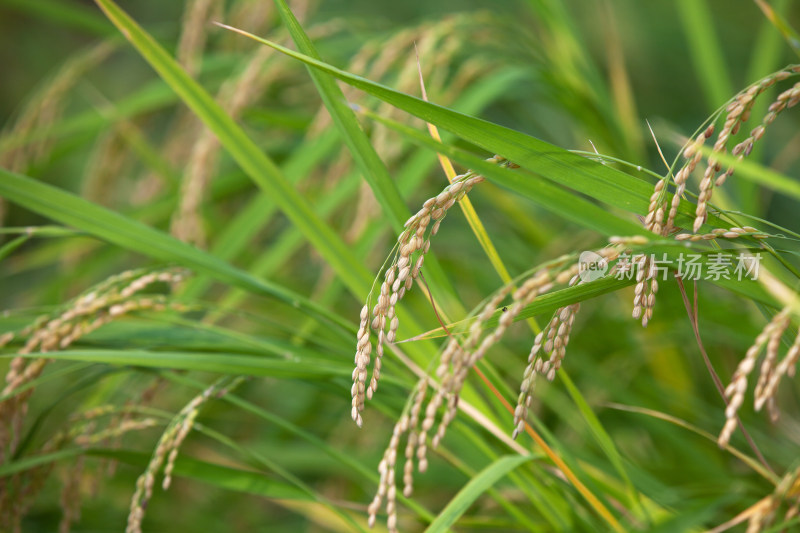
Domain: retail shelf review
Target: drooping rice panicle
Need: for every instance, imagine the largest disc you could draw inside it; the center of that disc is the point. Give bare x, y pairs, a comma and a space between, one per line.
412, 246
168, 446
115, 297
735, 391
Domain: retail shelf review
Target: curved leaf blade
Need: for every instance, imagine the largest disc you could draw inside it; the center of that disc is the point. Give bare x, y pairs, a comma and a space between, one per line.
124, 232
600, 181
257, 165
209, 362
472, 491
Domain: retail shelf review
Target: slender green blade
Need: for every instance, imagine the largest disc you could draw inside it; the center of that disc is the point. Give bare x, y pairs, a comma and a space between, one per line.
542, 305
365, 156
222, 363
706, 54
549, 196
606, 443
781, 24
260, 168
549, 302
9, 247
26, 463
132, 235
473, 490
590, 177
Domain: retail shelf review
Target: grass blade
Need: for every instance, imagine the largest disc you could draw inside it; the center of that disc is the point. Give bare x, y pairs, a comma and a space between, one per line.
472, 491
465, 204
260, 168
599, 181
543, 192
222, 363
365, 156
606, 443
132, 235
224, 477
707, 57
780, 23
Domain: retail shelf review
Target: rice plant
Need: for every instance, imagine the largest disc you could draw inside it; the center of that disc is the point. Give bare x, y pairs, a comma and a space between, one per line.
220, 217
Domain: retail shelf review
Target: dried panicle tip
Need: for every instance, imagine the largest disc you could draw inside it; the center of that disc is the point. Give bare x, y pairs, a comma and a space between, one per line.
413, 438
387, 487
769, 375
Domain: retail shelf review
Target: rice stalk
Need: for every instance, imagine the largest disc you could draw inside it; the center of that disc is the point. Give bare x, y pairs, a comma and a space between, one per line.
107, 163
197, 15
45, 107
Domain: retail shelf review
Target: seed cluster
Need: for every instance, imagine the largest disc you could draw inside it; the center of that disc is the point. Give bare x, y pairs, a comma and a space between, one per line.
412, 246
18, 491
738, 113
732, 233
552, 342
644, 293
105, 302
459, 356
115, 297
662, 211
168, 446
693, 155
770, 373
387, 486
455, 363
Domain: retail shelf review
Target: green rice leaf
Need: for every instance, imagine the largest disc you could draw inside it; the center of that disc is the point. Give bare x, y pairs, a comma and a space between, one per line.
365, 156
589, 177
222, 363
473, 490
257, 165
117, 229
